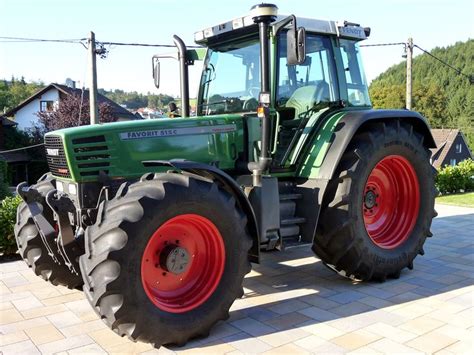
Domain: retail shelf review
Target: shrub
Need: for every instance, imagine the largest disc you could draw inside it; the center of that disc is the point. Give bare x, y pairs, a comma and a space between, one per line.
452, 179
7, 221
466, 168
4, 190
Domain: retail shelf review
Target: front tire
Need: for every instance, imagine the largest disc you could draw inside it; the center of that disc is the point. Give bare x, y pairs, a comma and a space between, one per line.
166, 259
377, 211
32, 248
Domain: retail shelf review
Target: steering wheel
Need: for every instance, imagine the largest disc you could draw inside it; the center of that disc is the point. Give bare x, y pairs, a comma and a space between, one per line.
250, 104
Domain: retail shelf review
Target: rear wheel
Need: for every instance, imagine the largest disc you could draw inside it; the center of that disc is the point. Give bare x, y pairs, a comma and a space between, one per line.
166, 258
377, 211
32, 248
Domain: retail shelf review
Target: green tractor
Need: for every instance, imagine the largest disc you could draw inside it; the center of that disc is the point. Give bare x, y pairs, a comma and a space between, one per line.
159, 220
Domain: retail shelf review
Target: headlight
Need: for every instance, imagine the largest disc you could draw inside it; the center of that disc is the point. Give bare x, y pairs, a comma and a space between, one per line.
72, 189
59, 186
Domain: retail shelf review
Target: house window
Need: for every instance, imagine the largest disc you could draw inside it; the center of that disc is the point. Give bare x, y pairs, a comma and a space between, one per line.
452, 162
46, 106
459, 148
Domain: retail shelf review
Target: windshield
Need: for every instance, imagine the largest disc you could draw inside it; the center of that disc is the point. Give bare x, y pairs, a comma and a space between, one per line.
230, 80
310, 83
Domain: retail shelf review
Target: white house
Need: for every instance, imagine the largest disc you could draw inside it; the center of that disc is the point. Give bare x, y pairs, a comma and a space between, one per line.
48, 99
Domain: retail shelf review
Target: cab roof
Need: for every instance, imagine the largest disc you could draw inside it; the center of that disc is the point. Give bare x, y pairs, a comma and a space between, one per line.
245, 25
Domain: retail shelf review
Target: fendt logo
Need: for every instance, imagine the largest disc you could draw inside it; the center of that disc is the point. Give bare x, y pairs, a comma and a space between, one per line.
54, 152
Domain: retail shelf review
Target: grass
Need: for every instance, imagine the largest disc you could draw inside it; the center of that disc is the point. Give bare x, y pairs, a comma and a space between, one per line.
465, 200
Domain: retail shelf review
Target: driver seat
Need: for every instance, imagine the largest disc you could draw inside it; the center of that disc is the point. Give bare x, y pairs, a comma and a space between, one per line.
305, 97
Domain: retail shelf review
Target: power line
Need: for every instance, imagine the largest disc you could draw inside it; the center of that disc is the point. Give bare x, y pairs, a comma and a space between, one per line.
457, 70
384, 44
23, 148
142, 44
23, 39
82, 40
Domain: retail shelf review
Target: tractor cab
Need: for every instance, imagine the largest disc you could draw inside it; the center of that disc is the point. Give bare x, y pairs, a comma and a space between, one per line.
302, 72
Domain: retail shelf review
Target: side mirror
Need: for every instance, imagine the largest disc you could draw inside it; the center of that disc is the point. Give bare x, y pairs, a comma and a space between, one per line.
296, 46
156, 71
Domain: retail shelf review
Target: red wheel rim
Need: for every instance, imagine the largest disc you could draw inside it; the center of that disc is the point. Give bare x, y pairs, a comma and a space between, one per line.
183, 263
391, 201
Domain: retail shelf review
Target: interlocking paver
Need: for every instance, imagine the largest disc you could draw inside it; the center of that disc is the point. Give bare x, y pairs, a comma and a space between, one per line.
287, 349
43, 311
24, 304
65, 344
63, 319
277, 339
44, 334
22, 347
287, 321
12, 338
9, 316
391, 332
421, 325
22, 325
310, 342
247, 344
431, 342
429, 309
357, 339
387, 345
252, 327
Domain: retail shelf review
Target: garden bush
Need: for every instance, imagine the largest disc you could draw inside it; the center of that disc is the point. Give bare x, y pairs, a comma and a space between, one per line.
459, 178
7, 221
4, 190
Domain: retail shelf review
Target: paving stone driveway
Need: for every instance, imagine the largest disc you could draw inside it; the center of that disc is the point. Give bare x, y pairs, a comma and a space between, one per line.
292, 304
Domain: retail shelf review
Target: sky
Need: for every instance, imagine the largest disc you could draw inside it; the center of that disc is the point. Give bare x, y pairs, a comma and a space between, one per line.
431, 23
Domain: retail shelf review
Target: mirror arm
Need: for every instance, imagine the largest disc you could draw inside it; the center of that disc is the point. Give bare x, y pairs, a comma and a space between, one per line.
277, 27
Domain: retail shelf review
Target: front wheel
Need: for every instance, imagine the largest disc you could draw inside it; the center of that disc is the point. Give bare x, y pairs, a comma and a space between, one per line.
377, 211
32, 248
166, 259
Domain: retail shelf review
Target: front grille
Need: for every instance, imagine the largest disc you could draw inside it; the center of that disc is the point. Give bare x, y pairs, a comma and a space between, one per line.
55, 156
91, 155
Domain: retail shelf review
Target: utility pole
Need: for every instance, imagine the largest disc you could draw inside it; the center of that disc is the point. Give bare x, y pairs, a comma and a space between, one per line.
93, 108
409, 71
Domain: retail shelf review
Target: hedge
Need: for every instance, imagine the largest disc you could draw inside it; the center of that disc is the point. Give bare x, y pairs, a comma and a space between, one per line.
7, 221
459, 178
4, 190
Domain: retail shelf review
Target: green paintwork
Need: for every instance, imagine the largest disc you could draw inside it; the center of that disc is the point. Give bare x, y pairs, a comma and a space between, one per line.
322, 142
126, 156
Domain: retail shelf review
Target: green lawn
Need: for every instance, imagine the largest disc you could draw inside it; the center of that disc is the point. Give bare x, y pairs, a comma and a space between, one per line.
465, 200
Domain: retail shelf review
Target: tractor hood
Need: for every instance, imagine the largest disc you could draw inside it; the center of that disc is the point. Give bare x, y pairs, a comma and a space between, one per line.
118, 149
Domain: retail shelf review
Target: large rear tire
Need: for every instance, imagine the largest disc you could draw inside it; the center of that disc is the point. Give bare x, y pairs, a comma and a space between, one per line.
166, 258
31, 247
377, 211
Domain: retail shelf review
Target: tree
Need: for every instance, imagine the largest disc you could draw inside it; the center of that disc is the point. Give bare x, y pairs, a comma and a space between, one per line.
443, 96
14, 92
72, 112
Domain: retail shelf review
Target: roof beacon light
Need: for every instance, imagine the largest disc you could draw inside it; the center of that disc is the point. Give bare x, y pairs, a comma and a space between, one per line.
263, 12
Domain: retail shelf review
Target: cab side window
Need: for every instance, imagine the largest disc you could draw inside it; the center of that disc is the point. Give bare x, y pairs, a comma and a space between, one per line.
357, 91
311, 82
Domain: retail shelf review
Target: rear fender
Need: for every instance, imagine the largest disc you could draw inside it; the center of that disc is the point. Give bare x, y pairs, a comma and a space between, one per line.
322, 163
317, 168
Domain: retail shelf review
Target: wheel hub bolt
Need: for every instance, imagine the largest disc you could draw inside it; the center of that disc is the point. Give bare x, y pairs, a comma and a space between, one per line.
370, 200
175, 259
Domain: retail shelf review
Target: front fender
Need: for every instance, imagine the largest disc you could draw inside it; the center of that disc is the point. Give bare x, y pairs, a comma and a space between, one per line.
213, 173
